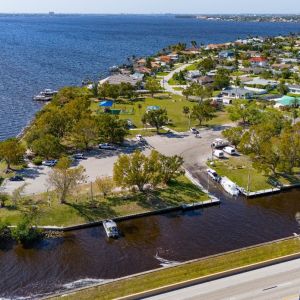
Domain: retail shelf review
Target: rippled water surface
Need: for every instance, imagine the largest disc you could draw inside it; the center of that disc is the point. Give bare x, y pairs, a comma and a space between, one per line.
86, 256
38, 52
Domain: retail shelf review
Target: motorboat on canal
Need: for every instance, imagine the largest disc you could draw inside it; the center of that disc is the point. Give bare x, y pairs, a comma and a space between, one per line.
111, 229
229, 186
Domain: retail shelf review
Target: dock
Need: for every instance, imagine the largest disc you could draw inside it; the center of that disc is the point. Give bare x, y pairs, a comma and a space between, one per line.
259, 193
206, 203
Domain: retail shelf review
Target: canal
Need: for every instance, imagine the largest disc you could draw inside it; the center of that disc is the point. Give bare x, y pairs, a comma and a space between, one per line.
86, 256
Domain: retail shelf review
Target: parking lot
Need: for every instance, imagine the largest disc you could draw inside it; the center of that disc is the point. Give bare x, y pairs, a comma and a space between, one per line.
194, 150
98, 163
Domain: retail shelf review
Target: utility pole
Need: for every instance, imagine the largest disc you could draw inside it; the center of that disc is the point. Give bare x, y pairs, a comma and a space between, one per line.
92, 196
248, 184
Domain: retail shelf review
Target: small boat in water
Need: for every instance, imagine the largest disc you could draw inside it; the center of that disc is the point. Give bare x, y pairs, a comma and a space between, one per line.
111, 229
229, 186
45, 95
114, 69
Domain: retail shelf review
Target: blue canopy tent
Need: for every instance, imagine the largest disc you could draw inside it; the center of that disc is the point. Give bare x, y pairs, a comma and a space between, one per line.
106, 103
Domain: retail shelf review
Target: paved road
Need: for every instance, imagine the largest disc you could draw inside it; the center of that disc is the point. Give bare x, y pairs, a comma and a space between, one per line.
170, 88
194, 150
279, 282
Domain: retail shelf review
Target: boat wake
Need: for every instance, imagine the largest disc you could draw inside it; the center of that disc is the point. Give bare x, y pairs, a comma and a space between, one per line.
82, 283
165, 262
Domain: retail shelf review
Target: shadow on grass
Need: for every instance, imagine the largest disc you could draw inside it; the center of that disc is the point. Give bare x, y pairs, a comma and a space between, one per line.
94, 211
175, 194
291, 178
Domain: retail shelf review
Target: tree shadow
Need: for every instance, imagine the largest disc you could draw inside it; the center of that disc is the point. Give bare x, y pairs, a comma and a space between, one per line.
174, 195
94, 211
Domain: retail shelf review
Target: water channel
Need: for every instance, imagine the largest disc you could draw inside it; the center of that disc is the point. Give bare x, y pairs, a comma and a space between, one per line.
86, 256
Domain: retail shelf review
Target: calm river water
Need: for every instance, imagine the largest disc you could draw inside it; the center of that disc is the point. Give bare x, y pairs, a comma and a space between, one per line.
86, 256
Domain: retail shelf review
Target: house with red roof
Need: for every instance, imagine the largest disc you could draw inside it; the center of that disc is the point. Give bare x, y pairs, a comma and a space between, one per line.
258, 61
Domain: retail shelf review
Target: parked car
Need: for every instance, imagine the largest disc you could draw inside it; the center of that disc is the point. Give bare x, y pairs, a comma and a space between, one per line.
194, 131
107, 146
79, 156
218, 153
213, 175
49, 163
230, 150
16, 178
130, 124
139, 138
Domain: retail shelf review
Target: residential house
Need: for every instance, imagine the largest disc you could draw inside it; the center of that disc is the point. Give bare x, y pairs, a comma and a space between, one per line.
165, 59
120, 78
173, 56
237, 93
192, 74
204, 80
142, 70
294, 89
258, 61
215, 46
226, 54
260, 82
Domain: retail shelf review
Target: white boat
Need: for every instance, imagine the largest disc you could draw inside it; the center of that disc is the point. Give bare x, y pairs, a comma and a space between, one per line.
229, 186
111, 228
45, 95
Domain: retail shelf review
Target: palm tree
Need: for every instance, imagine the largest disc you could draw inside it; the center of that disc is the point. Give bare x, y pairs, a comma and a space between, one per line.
186, 111
194, 44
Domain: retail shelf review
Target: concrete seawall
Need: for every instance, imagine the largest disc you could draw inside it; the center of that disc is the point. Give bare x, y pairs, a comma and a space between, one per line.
198, 205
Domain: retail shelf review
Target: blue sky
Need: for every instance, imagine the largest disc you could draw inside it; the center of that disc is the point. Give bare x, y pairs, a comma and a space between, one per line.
151, 6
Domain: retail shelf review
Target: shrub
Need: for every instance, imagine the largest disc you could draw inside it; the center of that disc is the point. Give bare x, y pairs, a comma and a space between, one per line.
38, 161
4, 229
24, 232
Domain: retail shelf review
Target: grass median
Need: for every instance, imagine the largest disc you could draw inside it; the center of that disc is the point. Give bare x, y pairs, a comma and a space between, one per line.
189, 271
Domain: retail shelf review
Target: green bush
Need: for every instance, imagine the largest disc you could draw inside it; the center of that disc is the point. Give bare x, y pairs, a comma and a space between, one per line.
38, 161
4, 229
24, 232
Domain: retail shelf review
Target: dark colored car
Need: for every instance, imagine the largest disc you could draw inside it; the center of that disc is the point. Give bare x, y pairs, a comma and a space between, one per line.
16, 178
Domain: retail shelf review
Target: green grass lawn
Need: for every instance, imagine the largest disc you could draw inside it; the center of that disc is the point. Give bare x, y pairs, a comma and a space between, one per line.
174, 106
172, 81
192, 67
81, 209
238, 169
204, 267
162, 74
178, 88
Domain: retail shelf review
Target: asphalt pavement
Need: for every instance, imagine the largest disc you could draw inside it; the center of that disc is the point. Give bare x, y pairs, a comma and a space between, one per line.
277, 282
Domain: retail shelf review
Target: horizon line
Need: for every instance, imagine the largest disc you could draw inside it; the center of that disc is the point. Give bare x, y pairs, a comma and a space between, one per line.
158, 13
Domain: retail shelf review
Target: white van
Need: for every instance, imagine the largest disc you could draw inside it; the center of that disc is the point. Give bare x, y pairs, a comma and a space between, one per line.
230, 150
218, 153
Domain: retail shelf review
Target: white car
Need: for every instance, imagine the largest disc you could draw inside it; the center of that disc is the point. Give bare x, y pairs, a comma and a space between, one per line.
107, 146
49, 163
218, 153
230, 150
213, 175
79, 156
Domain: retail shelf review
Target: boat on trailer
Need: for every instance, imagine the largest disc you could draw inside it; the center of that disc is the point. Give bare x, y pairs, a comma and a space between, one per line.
111, 229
